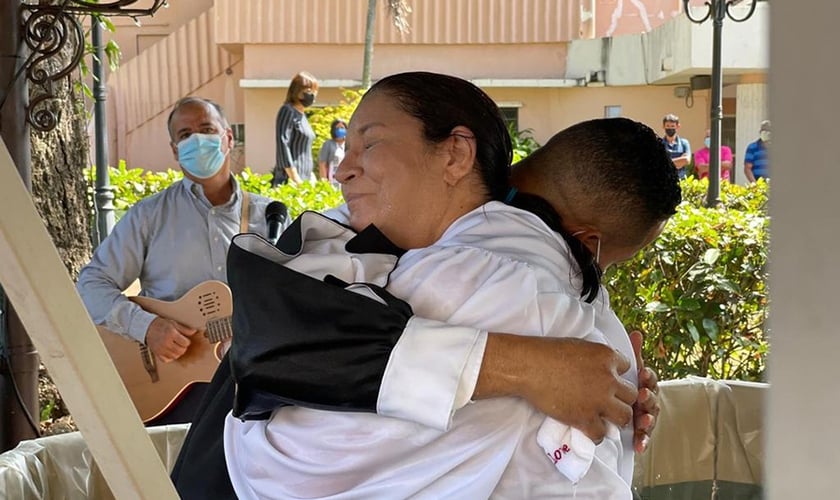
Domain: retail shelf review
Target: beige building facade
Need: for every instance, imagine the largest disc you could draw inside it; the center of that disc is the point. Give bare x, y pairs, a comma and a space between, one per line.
548, 63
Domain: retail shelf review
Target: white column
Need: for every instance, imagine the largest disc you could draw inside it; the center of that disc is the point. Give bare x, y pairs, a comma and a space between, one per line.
751, 111
803, 435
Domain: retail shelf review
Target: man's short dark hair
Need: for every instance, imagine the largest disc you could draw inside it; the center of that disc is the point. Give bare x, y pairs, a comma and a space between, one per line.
616, 167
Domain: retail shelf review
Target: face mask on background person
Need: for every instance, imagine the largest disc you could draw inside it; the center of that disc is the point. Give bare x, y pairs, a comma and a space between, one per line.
708, 142
670, 132
307, 99
764, 135
201, 155
340, 133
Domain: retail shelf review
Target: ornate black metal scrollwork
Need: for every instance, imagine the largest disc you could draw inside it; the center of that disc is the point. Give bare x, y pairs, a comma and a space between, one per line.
56, 41
113, 8
719, 8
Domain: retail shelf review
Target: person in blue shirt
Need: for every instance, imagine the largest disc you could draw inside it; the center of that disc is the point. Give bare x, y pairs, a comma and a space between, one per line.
756, 163
678, 147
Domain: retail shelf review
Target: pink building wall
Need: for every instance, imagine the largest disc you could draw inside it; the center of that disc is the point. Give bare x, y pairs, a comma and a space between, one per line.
623, 17
545, 110
133, 39
268, 41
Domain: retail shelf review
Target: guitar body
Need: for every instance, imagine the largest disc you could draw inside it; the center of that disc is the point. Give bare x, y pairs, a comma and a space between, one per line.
154, 386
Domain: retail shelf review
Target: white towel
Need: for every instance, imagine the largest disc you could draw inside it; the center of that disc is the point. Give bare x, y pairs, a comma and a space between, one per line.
573, 452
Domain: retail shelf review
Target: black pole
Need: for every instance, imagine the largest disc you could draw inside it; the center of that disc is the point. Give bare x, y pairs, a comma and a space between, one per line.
104, 191
719, 11
19, 361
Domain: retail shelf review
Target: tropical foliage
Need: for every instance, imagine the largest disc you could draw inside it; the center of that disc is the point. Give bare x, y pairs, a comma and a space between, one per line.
321, 118
523, 142
699, 292
133, 184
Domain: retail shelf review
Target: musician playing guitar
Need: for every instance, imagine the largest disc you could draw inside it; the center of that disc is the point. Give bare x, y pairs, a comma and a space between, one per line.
171, 242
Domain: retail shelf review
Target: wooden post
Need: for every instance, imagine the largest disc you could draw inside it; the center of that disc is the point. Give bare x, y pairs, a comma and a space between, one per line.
37, 284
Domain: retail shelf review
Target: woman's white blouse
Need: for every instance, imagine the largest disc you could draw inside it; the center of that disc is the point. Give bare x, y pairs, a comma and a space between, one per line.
496, 269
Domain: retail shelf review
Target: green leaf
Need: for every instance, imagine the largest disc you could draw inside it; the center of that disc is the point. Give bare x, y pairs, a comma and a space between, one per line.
46, 411
692, 329
729, 286
657, 306
108, 24
113, 54
711, 328
689, 304
711, 256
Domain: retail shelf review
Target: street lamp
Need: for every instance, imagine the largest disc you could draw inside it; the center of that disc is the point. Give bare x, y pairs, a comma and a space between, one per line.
717, 10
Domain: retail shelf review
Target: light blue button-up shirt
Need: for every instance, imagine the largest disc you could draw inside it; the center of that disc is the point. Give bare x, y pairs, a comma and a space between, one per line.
171, 242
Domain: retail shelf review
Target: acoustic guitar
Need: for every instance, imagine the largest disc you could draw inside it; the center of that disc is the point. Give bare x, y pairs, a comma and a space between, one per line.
155, 386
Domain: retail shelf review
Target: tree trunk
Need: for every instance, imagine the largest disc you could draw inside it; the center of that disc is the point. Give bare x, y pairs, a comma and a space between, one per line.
59, 187
62, 194
399, 11
369, 32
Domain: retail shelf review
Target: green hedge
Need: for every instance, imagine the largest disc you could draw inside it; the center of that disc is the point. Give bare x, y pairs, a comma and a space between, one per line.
133, 184
699, 292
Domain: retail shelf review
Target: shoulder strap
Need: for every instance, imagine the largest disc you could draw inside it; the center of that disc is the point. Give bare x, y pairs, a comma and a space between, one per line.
244, 210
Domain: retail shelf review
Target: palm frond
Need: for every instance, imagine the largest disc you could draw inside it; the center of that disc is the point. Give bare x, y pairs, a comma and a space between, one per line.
400, 10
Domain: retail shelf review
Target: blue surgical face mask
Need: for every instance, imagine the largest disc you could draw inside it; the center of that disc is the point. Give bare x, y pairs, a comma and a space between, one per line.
200, 155
708, 142
340, 133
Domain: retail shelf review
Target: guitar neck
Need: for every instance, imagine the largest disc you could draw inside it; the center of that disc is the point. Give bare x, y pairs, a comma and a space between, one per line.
219, 330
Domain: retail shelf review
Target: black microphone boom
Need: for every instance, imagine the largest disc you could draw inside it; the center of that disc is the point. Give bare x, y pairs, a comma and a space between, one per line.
275, 216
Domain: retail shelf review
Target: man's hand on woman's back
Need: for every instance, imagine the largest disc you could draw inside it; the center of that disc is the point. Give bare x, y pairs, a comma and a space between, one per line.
573, 381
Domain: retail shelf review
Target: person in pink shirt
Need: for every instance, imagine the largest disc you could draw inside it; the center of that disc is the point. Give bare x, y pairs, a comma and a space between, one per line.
701, 159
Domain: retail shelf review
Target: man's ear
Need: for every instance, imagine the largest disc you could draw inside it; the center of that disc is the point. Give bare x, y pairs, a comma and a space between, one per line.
460, 151
229, 138
174, 148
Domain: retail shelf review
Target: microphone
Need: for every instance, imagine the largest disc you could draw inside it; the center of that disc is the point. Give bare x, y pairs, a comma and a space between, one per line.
275, 215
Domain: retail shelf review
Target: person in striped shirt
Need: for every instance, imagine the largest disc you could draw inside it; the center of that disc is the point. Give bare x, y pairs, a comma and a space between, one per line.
293, 134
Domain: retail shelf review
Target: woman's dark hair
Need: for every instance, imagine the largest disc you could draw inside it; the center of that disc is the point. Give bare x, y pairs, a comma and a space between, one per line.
334, 126
589, 269
443, 102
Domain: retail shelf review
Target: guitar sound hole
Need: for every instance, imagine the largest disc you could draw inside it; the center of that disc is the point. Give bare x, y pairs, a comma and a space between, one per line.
208, 304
